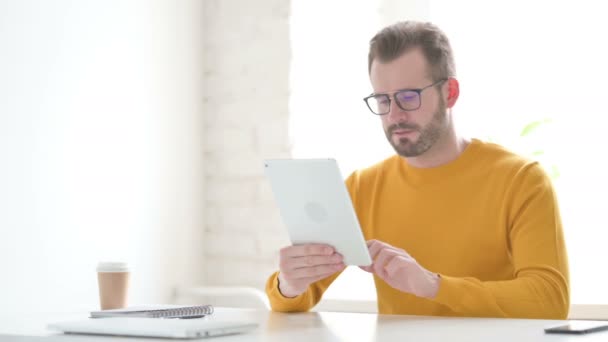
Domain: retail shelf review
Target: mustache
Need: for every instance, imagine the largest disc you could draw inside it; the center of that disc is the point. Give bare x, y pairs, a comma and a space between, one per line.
402, 125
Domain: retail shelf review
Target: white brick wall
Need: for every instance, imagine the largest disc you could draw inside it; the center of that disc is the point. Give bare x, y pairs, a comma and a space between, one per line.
247, 56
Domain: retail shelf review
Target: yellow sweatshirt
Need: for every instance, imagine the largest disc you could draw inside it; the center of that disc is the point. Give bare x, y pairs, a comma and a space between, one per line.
487, 223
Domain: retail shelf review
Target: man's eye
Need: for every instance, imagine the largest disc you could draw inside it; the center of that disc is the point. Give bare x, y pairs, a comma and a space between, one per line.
406, 97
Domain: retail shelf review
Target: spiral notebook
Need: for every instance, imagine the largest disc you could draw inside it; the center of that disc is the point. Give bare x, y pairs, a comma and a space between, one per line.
157, 311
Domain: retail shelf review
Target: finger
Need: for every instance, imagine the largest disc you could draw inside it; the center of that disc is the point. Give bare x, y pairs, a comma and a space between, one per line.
378, 246
311, 280
374, 246
315, 271
384, 257
367, 268
307, 249
314, 260
396, 263
370, 242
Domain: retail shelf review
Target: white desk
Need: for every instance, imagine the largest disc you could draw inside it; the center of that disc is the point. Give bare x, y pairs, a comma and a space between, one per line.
325, 326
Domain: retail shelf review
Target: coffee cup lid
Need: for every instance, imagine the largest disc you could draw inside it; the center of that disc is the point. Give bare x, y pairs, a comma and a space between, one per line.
112, 266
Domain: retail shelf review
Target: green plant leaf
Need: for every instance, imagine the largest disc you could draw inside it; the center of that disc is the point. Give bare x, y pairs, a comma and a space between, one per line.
554, 172
532, 126
538, 153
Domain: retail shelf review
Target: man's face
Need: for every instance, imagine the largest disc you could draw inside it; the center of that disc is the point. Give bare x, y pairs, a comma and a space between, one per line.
411, 133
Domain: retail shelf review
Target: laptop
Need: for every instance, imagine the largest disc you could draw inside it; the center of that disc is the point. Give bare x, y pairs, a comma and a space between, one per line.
154, 327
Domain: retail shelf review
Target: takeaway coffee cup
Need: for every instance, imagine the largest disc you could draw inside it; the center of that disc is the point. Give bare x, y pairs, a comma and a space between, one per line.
113, 280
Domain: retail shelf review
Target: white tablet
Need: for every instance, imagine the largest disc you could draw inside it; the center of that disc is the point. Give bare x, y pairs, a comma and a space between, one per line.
316, 207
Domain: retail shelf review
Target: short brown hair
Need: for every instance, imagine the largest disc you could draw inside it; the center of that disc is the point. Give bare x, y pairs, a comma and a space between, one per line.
392, 41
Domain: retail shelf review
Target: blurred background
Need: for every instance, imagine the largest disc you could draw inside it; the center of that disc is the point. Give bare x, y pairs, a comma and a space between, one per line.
134, 130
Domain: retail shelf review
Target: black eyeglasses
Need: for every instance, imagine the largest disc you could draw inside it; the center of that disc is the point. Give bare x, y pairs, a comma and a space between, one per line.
406, 99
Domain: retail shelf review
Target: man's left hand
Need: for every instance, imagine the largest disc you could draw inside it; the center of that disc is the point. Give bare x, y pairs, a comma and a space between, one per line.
402, 272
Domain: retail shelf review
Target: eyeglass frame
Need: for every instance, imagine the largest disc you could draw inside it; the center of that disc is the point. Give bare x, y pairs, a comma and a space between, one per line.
393, 95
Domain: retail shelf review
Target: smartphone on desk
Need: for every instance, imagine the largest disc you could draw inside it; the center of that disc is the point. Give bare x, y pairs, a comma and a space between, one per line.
578, 327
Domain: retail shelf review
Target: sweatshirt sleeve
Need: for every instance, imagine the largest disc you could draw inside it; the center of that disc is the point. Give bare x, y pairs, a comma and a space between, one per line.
313, 294
540, 286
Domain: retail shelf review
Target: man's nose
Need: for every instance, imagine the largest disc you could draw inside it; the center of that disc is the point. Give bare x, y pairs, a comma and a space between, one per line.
396, 114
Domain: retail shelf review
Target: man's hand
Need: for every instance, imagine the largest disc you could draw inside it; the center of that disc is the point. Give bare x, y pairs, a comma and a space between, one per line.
302, 265
398, 269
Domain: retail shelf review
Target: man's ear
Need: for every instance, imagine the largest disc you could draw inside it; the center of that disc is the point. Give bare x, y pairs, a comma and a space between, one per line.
453, 92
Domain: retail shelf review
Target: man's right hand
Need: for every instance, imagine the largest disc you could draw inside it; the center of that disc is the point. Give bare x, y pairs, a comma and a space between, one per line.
302, 265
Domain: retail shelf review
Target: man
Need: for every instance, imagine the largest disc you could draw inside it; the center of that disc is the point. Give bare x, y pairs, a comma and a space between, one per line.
455, 227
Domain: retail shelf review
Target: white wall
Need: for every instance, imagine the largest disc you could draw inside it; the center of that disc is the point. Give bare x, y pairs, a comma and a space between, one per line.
101, 133
247, 55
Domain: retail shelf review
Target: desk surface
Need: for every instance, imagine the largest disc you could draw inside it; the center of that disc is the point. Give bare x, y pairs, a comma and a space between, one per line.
325, 326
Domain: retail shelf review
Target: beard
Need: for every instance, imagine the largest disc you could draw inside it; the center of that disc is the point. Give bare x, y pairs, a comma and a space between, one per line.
427, 135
